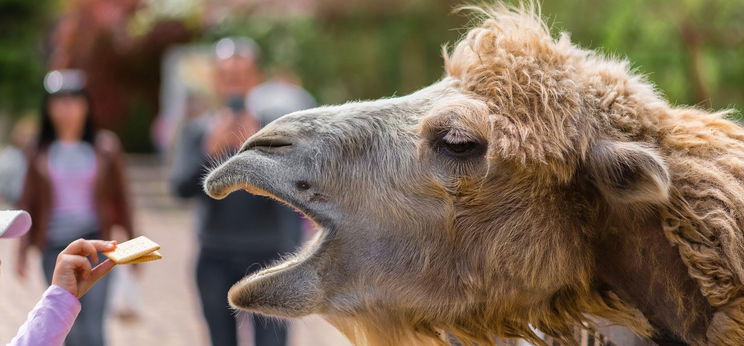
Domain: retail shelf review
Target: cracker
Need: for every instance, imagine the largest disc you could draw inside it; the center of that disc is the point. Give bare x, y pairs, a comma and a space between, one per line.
152, 256
132, 249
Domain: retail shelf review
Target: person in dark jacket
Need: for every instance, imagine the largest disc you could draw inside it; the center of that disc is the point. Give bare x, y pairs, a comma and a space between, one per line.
74, 188
241, 233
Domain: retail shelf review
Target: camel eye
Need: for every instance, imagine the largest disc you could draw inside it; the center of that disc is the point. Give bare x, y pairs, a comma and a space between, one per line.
460, 148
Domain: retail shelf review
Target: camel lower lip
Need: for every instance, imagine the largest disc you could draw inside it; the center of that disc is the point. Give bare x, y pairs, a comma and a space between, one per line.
275, 269
288, 289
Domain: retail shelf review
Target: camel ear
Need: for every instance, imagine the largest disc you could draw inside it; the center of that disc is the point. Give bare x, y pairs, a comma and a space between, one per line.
628, 172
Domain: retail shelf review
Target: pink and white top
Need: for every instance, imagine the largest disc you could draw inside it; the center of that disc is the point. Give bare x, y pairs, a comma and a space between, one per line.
72, 172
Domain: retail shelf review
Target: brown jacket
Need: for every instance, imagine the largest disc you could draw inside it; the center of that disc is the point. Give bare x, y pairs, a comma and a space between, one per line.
111, 193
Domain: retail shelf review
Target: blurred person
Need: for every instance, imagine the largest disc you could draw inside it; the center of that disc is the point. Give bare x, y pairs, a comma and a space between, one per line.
241, 233
280, 95
13, 161
74, 275
74, 188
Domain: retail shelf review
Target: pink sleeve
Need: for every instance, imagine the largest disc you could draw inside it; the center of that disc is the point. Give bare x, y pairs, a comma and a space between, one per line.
50, 320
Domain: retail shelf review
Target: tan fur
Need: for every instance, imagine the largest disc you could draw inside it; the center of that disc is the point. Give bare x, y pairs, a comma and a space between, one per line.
586, 180
551, 100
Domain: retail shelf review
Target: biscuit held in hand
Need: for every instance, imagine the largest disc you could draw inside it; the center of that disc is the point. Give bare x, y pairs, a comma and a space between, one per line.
152, 256
137, 250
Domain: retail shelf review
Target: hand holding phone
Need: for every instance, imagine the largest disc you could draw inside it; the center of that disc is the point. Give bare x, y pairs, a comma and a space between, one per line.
236, 104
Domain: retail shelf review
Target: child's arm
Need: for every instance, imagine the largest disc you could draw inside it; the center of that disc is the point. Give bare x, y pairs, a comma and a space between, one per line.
50, 320
52, 317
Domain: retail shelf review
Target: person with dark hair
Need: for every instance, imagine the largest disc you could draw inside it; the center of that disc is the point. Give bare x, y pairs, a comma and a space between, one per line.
74, 188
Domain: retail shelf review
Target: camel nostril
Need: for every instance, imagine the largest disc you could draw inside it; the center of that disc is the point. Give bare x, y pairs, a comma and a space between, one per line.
302, 185
266, 143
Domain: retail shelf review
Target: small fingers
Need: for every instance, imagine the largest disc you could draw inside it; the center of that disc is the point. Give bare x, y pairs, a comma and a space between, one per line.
104, 245
90, 248
75, 263
81, 247
74, 247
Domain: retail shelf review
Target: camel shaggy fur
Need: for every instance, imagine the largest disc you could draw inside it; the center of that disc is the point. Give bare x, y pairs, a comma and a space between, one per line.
536, 185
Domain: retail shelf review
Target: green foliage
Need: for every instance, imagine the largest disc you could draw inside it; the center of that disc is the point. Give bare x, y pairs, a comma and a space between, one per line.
367, 56
675, 43
356, 55
22, 25
692, 49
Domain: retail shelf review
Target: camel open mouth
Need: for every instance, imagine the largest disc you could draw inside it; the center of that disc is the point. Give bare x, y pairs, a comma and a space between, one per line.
289, 288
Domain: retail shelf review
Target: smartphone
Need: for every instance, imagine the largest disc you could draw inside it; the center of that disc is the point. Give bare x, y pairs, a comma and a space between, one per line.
236, 103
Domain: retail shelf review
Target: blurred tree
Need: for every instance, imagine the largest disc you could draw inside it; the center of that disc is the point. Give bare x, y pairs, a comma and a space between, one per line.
350, 49
345, 50
22, 24
367, 51
692, 49
123, 68
118, 50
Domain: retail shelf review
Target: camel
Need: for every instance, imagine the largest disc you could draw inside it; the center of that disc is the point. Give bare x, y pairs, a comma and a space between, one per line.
536, 186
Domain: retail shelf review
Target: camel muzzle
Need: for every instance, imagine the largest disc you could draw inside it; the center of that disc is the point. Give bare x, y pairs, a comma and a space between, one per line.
244, 171
221, 182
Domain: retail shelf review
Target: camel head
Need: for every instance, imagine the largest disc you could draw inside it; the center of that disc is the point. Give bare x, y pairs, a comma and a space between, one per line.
471, 206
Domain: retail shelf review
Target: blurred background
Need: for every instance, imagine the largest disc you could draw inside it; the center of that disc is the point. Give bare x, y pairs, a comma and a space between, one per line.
340, 49
149, 70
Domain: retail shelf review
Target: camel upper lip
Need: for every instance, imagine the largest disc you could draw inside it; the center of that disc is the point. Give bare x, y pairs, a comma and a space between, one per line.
237, 173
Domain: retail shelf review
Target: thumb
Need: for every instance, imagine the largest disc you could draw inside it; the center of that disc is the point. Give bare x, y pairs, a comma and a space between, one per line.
101, 270
95, 274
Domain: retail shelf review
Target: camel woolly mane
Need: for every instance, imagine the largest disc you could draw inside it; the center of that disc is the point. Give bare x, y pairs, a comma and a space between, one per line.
550, 101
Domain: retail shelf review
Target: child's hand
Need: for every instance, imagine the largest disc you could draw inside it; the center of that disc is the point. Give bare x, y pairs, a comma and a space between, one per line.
74, 272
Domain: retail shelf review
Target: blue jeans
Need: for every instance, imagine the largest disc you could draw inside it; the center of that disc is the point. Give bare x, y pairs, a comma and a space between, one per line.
88, 329
216, 272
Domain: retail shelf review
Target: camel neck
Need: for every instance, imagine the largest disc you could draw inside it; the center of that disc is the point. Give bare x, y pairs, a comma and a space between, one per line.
643, 269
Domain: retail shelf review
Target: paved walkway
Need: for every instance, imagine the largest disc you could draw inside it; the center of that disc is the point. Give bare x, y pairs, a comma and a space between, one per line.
170, 313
